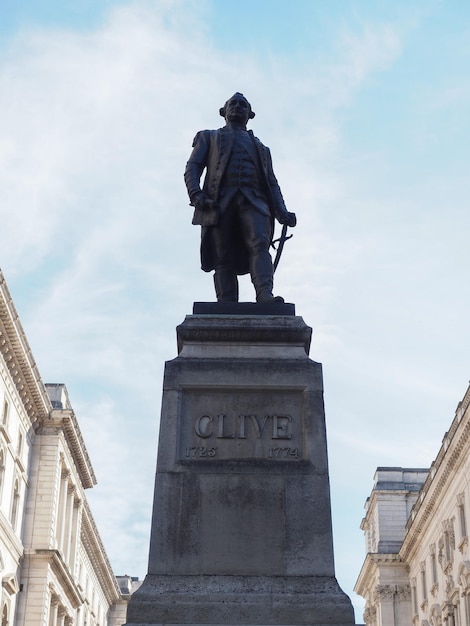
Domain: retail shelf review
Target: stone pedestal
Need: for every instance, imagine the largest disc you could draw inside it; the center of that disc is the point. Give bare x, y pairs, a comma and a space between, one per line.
241, 529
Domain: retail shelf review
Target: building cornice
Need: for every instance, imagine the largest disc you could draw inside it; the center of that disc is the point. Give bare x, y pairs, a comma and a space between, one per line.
454, 448
94, 548
62, 573
7, 533
372, 561
18, 357
67, 421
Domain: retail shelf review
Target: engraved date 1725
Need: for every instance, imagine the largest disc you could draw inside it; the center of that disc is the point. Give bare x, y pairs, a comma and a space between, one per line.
200, 451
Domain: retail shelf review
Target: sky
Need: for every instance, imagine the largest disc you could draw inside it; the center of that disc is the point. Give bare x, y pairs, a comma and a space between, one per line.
364, 105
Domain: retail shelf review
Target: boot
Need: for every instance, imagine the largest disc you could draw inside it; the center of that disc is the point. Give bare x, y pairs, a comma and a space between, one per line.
261, 271
226, 285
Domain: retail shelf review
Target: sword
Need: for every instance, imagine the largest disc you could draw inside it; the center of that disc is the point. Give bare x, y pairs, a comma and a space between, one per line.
281, 241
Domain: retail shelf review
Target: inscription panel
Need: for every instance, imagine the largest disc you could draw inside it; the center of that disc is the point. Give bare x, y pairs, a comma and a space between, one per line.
231, 424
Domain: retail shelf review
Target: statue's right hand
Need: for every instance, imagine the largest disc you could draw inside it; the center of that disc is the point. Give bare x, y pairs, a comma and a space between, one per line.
201, 202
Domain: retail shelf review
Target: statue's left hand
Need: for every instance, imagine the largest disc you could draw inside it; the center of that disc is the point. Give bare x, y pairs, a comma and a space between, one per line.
288, 218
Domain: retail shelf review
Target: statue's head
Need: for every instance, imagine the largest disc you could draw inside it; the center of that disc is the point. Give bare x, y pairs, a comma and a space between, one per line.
237, 109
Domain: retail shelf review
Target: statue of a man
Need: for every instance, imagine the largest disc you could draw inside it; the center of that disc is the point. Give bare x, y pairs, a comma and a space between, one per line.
238, 203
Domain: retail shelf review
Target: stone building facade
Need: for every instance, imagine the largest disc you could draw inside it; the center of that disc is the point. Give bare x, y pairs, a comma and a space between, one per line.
417, 567
53, 566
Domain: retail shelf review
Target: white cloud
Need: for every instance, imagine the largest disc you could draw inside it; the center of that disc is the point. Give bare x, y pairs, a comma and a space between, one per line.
95, 222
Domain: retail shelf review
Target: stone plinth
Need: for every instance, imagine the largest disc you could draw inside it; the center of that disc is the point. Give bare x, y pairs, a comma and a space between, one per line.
241, 529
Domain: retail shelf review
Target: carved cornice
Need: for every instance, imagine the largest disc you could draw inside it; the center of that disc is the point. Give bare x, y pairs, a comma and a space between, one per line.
91, 542
388, 592
369, 568
291, 331
369, 614
465, 402
455, 446
10, 583
19, 360
62, 572
66, 420
10, 538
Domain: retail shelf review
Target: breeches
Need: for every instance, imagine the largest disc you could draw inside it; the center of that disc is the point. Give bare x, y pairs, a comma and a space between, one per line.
240, 222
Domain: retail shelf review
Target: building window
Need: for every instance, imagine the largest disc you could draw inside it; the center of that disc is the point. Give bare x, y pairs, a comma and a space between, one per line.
5, 411
423, 582
20, 444
15, 504
463, 523
5, 621
447, 545
433, 569
462, 520
2, 469
414, 598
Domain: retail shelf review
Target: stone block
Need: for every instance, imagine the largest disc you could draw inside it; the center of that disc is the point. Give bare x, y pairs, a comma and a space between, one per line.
241, 529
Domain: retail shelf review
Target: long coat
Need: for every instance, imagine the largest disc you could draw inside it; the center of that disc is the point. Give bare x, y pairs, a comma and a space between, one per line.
211, 151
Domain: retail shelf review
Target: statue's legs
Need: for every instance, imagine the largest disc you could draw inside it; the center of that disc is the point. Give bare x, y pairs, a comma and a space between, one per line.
251, 227
226, 284
256, 229
261, 272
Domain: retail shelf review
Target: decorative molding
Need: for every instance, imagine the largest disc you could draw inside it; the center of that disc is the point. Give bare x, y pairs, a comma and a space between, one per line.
19, 360
451, 532
61, 570
463, 544
403, 592
94, 548
464, 576
388, 592
10, 584
369, 615
21, 464
5, 433
66, 420
450, 585
456, 443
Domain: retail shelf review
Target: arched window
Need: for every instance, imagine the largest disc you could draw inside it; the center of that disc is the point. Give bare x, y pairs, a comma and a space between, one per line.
5, 621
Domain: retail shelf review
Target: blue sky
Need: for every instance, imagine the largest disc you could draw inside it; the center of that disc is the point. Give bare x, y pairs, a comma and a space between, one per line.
365, 108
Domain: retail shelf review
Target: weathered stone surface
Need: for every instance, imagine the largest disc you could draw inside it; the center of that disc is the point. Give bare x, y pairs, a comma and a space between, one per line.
232, 600
241, 530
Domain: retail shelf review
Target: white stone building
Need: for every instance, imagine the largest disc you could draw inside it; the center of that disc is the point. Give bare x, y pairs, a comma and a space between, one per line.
53, 567
417, 567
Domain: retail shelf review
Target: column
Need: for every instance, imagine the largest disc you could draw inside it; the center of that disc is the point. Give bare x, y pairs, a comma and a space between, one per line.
61, 616
69, 523
53, 610
62, 510
75, 534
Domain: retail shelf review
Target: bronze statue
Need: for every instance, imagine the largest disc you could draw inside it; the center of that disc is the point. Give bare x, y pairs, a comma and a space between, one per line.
238, 203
